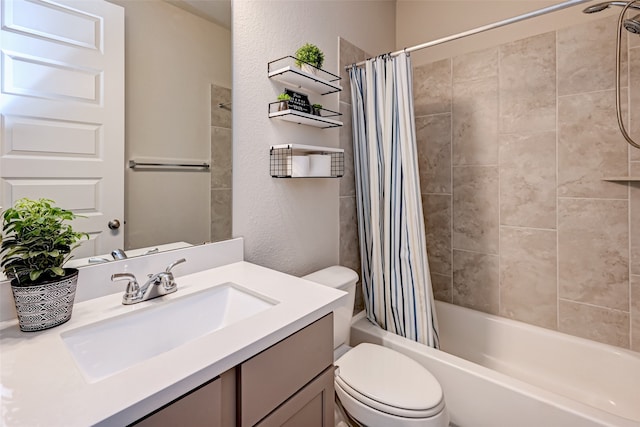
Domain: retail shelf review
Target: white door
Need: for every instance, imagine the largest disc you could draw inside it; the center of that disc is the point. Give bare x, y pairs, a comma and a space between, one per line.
62, 111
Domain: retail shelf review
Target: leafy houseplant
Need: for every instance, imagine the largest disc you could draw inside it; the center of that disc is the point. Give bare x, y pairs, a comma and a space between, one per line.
309, 54
35, 244
284, 101
315, 109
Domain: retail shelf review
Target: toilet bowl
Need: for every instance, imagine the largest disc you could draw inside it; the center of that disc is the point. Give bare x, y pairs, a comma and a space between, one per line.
378, 386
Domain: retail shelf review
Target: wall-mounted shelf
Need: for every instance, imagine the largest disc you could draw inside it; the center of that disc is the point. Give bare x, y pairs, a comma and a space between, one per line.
323, 121
285, 71
622, 178
305, 161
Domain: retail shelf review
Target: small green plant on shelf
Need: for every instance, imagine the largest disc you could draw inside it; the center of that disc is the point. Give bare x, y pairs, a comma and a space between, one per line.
309, 54
315, 109
284, 99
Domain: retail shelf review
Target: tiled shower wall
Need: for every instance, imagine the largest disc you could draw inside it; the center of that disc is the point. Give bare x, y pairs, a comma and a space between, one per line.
221, 142
514, 142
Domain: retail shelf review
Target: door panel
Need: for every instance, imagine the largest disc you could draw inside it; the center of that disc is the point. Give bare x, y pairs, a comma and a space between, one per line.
62, 111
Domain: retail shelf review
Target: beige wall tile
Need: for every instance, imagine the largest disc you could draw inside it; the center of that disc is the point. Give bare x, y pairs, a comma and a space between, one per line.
432, 88
527, 84
221, 149
349, 54
475, 281
437, 219
594, 323
635, 313
475, 208
349, 244
593, 252
590, 146
516, 151
528, 180
475, 122
220, 117
634, 219
347, 182
528, 280
442, 287
587, 57
634, 100
476, 65
633, 39
433, 136
220, 214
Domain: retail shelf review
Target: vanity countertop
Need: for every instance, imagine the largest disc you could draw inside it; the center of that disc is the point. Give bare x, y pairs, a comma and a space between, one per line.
41, 384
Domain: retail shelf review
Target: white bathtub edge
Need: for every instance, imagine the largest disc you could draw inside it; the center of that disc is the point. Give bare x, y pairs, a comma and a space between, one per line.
460, 380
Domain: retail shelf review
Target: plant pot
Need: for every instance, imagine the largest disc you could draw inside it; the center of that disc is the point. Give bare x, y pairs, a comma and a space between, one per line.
316, 111
309, 69
284, 105
47, 304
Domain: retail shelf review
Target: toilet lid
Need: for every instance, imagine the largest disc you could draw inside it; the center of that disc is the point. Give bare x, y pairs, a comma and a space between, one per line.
389, 381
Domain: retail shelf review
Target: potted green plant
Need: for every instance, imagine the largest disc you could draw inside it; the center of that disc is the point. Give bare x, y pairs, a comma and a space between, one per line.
284, 101
309, 58
315, 109
36, 242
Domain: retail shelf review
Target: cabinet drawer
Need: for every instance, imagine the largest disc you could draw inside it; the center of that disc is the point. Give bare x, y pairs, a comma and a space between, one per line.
271, 377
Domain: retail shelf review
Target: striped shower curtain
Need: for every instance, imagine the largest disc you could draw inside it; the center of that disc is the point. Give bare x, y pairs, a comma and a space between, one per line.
395, 271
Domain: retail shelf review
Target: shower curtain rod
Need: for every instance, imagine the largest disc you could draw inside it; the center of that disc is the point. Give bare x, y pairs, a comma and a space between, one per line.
483, 28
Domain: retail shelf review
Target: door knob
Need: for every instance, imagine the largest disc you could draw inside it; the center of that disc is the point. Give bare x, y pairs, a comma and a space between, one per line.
114, 224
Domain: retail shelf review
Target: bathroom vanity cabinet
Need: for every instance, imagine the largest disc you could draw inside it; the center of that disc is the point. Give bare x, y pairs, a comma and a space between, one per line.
288, 384
210, 405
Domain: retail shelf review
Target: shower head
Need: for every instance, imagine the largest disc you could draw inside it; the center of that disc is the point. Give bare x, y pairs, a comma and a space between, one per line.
602, 6
632, 24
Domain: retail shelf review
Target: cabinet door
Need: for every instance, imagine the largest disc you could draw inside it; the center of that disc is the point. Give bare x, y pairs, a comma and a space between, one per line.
268, 379
311, 407
211, 405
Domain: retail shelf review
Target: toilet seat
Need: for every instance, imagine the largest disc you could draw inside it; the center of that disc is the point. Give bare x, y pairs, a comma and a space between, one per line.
390, 382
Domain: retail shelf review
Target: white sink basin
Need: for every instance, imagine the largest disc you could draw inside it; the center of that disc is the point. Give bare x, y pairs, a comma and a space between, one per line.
104, 348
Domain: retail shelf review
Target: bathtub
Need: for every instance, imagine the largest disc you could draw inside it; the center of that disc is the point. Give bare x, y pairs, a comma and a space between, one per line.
497, 372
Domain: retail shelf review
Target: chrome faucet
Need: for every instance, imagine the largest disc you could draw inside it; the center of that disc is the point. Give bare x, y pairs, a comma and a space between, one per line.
157, 285
118, 254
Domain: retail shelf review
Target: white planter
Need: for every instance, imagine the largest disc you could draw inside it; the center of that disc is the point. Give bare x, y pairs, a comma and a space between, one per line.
45, 305
309, 69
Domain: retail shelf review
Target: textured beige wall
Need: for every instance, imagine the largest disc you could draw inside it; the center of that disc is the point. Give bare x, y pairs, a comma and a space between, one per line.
290, 224
172, 58
514, 141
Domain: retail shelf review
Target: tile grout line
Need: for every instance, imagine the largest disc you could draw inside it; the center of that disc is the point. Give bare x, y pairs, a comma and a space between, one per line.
451, 174
556, 187
588, 304
629, 193
498, 116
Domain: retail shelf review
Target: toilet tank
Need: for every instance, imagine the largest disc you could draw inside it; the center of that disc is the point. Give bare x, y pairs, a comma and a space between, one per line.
345, 279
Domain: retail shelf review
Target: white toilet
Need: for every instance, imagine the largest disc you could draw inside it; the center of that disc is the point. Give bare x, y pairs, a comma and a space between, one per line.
377, 386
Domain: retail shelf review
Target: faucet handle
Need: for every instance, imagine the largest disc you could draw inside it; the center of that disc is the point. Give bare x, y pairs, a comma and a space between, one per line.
132, 292
173, 264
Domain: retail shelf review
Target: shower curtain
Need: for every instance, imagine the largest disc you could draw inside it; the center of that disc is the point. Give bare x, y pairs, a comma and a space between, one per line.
395, 271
